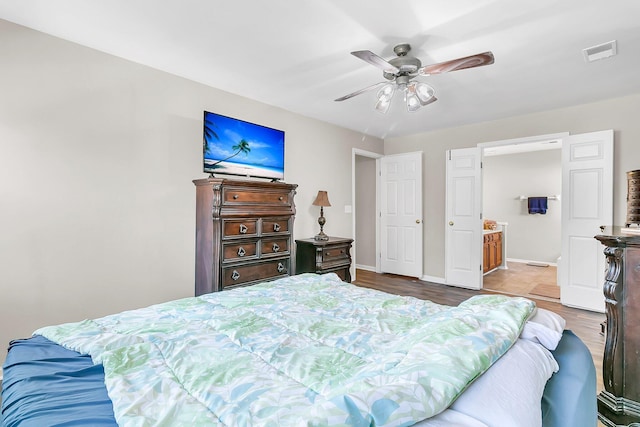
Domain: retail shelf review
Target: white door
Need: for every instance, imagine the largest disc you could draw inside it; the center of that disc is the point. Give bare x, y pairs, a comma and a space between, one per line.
401, 214
463, 240
587, 203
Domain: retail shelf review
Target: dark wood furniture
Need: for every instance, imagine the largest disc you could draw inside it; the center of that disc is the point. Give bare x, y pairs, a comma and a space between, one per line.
324, 256
492, 251
619, 403
243, 232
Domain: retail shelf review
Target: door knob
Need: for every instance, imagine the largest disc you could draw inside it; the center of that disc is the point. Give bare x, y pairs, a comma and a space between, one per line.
417, 221
451, 223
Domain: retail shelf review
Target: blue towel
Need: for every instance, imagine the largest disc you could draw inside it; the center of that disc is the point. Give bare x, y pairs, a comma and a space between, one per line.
538, 205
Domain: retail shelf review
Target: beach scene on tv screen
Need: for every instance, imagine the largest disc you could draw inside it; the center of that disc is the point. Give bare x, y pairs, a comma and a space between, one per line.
236, 147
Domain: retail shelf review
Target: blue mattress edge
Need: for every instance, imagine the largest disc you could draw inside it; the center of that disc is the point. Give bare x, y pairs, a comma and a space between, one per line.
46, 384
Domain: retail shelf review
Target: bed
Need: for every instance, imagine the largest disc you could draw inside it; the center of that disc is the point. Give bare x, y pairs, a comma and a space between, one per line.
305, 350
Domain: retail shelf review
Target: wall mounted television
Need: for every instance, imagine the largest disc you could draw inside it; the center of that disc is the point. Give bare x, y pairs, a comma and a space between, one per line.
236, 147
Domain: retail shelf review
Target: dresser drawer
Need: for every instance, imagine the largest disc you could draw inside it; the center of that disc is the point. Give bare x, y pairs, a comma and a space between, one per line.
239, 227
334, 254
237, 251
275, 226
231, 196
274, 246
260, 271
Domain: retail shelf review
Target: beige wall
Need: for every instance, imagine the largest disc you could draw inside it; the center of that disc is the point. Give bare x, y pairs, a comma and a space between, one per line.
619, 114
365, 187
97, 155
529, 237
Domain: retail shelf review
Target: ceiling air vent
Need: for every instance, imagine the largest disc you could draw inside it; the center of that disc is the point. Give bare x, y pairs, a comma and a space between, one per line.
601, 51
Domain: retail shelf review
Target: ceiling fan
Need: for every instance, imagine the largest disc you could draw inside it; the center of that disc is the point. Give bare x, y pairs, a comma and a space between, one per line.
401, 70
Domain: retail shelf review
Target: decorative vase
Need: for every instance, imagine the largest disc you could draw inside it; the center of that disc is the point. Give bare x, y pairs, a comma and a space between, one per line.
633, 198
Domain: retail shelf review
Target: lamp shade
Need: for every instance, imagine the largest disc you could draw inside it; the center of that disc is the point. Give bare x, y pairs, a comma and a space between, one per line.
322, 199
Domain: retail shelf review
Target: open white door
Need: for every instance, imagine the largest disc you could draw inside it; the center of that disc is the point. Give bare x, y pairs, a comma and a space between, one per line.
463, 239
401, 214
587, 203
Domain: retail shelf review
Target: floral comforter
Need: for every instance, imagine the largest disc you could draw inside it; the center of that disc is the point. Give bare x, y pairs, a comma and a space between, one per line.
304, 350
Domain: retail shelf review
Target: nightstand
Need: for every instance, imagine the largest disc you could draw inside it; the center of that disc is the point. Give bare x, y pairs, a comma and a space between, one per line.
324, 256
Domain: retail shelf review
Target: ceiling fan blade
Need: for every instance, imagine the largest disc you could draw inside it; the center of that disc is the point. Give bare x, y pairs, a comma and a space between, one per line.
478, 60
358, 92
375, 60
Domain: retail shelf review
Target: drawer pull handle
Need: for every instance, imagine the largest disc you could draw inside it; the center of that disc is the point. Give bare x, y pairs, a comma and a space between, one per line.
235, 275
243, 229
235, 197
281, 198
276, 227
281, 268
328, 253
241, 251
276, 248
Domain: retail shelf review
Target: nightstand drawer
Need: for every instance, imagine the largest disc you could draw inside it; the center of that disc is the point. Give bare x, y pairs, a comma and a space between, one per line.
239, 228
324, 256
260, 271
334, 254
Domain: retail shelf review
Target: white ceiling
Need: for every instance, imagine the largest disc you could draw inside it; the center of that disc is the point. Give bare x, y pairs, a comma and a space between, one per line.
294, 54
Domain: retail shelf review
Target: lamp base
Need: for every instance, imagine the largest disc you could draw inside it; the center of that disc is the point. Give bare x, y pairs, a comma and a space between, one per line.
321, 236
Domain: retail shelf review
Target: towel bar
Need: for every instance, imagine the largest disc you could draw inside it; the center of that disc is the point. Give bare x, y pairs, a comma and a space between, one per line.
556, 197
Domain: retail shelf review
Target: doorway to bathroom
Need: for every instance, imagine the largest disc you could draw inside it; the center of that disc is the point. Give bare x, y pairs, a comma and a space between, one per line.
530, 239
586, 205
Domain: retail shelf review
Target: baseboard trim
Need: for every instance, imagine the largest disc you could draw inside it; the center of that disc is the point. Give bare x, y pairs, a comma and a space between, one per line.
365, 267
434, 279
526, 261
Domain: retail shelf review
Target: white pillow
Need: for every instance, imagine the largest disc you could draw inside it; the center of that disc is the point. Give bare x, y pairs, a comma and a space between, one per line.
544, 327
450, 418
510, 392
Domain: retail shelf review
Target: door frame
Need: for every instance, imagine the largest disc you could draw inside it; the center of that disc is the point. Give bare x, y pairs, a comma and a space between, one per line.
516, 141
513, 141
377, 156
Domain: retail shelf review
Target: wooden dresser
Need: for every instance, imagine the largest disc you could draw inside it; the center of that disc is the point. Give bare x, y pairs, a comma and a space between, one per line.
325, 256
619, 403
244, 232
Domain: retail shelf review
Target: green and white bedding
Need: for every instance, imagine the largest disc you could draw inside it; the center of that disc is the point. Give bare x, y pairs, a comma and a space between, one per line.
303, 350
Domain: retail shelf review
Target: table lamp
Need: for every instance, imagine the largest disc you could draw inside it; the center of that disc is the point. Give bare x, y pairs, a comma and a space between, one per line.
322, 200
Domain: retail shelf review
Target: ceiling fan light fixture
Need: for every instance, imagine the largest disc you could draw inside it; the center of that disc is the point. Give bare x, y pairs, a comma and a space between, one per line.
424, 92
417, 95
385, 94
413, 103
400, 70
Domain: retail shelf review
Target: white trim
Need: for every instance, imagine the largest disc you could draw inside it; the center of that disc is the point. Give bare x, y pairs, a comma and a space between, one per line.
366, 268
434, 279
523, 140
525, 261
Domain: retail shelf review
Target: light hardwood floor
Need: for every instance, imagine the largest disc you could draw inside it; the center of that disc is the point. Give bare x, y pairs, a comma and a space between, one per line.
524, 280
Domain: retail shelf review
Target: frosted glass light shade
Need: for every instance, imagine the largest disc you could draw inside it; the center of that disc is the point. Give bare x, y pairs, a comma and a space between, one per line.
423, 91
385, 94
